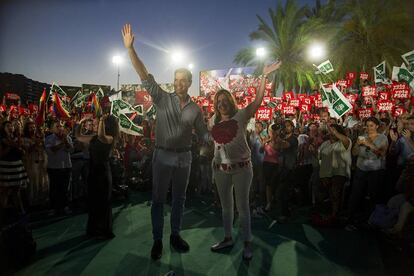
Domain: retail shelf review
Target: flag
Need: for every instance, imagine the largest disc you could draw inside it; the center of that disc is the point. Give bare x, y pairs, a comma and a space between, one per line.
40, 118
380, 73
56, 88
325, 67
402, 74
409, 60
96, 107
151, 112
335, 101
127, 126
59, 108
116, 96
100, 93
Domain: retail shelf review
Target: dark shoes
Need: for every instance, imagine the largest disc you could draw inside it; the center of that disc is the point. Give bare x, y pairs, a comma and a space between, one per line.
156, 251
179, 244
176, 242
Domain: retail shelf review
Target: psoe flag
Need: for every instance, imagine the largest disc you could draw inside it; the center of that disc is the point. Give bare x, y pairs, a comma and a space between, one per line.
325, 67
409, 59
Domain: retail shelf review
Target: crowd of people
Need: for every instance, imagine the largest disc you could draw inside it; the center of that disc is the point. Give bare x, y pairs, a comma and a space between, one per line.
355, 172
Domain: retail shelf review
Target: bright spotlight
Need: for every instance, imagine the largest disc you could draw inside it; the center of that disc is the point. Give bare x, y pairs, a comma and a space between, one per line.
260, 52
316, 51
117, 60
177, 56
190, 66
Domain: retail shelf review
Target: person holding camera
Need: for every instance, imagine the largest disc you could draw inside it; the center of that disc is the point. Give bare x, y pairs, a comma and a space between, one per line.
370, 150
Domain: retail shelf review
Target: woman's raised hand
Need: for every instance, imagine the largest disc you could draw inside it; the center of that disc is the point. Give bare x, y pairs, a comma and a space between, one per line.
267, 69
127, 36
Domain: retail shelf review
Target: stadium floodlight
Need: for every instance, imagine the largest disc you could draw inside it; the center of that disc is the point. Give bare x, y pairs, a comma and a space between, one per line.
316, 51
260, 52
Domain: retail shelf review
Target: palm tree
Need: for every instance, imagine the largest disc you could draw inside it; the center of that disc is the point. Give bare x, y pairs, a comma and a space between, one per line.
373, 31
290, 31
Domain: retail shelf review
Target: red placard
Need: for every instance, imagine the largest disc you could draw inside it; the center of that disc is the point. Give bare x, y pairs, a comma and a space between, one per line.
351, 98
384, 96
294, 102
307, 100
369, 91
3, 107
263, 114
316, 117
268, 92
210, 108
301, 96
12, 96
205, 102
251, 90
400, 91
305, 108
24, 111
365, 113
266, 100
398, 111
385, 105
142, 97
350, 75
306, 117
363, 76
287, 96
289, 110
279, 107
276, 99
343, 83
239, 94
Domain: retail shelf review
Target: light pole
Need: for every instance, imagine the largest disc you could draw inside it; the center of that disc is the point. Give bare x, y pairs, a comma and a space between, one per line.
117, 60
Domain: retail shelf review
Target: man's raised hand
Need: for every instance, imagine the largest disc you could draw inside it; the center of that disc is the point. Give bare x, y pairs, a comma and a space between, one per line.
128, 36
271, 67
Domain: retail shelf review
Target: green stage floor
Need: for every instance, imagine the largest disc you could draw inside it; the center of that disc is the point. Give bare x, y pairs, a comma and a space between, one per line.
286, 249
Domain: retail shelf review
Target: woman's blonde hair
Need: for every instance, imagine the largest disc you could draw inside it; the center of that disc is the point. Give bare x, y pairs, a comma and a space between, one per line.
230, 98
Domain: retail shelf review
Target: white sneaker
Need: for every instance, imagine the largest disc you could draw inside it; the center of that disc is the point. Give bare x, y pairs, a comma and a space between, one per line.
221, 245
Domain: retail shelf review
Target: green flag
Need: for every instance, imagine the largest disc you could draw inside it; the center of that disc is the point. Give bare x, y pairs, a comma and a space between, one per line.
335, 101
151, 112
127, 126
409, 60
56, 88
325, 67
380, 73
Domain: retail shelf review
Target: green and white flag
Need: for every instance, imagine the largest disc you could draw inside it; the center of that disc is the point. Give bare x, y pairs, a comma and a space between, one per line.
117, 96
151, 112
409, 60
380, 73
78, 99
335, 101
325, 67
139, 109
56, 88
100, 93
128, 127
341, 105
122, 107
402, 74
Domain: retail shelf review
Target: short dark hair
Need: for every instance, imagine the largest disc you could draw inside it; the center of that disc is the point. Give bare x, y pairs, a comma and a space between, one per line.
186, 72
373, 120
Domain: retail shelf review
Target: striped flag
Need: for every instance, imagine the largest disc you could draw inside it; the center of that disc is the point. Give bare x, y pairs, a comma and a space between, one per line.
60, 110
96, 107
40, 118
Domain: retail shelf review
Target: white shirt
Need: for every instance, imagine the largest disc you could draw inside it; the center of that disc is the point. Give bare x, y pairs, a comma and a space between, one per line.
230, 143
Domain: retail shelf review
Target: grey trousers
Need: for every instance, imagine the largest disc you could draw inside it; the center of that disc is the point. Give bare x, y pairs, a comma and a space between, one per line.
241, 180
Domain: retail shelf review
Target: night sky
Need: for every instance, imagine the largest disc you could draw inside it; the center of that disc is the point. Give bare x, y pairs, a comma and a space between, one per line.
72, 42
